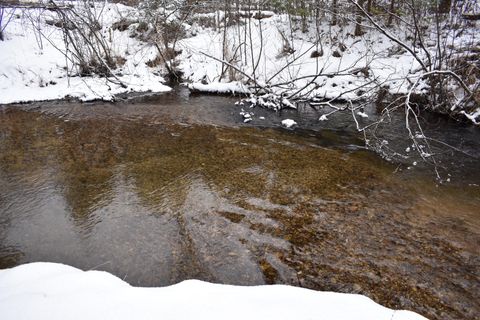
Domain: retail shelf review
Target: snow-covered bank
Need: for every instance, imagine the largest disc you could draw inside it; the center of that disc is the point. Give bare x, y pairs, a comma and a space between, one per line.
343, 66
234, 87
55, 291
265, 53
325, 63
33, 66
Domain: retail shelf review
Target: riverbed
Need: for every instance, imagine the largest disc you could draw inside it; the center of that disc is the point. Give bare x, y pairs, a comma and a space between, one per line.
163, 189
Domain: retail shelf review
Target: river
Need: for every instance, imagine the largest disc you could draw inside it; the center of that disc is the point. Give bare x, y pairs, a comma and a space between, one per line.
158, 190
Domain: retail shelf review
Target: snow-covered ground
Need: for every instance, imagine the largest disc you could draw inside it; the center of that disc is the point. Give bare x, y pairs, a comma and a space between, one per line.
56, 291
269, 39
33, 66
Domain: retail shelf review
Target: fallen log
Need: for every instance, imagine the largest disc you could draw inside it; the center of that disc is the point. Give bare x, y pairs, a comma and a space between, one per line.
471, 16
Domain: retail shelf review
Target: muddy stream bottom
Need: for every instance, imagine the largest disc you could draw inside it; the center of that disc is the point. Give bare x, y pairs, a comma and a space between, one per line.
159, 194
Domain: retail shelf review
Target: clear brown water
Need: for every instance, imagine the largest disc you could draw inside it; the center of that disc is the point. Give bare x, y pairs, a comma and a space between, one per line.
167, 189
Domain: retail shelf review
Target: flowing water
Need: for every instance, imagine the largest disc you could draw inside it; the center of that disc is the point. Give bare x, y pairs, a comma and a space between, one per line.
160, 190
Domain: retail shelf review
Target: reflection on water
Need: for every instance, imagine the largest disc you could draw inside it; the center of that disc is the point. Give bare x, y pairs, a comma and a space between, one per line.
156, 202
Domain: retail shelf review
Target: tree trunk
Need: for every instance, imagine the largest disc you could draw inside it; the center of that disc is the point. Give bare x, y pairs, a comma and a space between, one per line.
444, 6
335, 12
390, 16
1, 18
303, 10
358, 21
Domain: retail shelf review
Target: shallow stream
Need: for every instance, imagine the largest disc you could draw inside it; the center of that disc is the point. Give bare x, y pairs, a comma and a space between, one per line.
170, 188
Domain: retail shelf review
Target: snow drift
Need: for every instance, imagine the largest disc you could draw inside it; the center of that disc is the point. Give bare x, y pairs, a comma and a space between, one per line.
56, 291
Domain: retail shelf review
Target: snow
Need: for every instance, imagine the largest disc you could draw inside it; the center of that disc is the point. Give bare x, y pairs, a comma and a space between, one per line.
288, 123
33, 69
362, 114
56, 291
247, 116
473, 116
218, 87
288, 104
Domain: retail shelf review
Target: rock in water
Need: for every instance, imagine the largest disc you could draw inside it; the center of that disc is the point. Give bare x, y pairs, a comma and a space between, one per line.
288, 123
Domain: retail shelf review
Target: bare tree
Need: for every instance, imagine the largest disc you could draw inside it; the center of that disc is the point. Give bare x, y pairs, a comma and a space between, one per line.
5, 18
